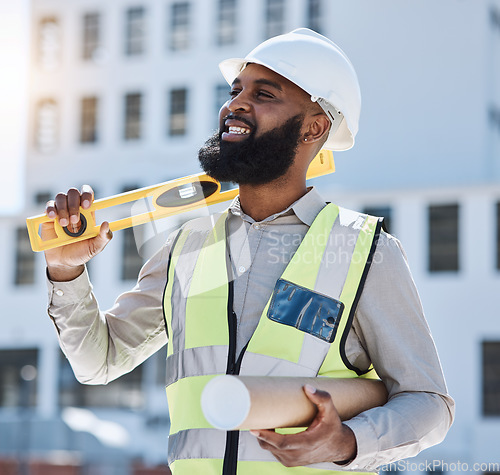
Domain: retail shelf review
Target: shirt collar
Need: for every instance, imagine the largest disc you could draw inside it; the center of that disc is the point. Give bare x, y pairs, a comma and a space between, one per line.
305, 208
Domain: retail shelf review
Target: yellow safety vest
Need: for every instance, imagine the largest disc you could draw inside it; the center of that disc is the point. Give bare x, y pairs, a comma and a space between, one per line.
332, 261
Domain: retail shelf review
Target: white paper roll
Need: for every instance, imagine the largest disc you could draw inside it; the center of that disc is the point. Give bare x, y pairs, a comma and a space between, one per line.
225, 402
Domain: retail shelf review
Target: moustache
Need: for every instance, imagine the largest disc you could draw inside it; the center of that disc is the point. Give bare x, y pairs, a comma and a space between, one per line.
239, 119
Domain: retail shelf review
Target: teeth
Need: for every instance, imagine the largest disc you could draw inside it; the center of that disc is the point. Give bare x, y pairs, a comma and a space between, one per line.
238, 130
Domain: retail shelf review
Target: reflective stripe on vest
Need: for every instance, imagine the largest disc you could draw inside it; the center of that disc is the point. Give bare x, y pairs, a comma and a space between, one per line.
332, 259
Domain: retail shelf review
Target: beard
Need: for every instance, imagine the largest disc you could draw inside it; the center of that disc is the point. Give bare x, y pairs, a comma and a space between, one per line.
254, 160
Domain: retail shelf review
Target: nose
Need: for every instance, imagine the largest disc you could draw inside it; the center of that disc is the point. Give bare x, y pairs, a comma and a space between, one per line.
238, 103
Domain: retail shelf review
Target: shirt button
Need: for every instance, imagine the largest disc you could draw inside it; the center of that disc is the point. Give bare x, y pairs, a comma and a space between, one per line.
242, 269
256, 226
59, 292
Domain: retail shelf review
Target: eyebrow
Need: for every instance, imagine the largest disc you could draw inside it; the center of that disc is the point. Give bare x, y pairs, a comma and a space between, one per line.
266, 82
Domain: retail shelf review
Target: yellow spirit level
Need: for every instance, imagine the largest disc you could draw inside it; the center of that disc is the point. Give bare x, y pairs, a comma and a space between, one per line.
168, 198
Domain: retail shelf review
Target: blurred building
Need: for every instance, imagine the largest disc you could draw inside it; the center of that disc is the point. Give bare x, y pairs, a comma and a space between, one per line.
122, 94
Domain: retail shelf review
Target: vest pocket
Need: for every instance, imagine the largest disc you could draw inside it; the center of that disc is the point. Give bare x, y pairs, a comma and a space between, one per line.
305, 310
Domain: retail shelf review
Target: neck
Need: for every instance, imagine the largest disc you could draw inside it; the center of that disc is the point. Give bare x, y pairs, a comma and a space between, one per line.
261, 201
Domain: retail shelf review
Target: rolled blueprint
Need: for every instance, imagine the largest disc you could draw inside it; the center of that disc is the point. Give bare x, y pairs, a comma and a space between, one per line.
263, 402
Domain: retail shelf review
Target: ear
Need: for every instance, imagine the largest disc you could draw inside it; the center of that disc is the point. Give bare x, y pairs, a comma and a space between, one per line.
318, 128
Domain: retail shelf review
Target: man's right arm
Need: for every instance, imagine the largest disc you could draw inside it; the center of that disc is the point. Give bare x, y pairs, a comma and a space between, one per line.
100, 346
103, 345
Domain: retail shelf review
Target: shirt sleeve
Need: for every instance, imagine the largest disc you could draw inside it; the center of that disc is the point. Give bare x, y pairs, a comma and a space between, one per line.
392, 329
101, 346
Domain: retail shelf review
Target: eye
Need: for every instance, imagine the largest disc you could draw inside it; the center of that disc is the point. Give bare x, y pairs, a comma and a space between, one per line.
234, 92
265, 94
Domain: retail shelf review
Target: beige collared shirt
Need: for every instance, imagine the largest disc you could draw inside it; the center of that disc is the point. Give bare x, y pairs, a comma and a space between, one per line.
389, 328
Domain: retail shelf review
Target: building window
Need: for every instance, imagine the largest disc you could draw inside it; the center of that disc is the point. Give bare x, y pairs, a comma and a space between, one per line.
18, 372
135, 32
443, 238
495, 18
161, 368
133, 113
88, 119
179, 26
125, 392
314, 12
498, 234
42, 197
46, 120
226, 22
49, 43
25, 259
383, 212
275, 18
491, 378
131, 259
91, 35
221, 97
178, 112
494, 117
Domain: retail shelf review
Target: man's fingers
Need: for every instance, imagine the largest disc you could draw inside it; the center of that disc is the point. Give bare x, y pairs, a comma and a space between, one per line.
87, 196
321, 399
324, 440
266, 446
50, 209
47, 231
105, 233
271, 440
326, 411
324, 403
66, 207
74, 205
98, 243
62, 209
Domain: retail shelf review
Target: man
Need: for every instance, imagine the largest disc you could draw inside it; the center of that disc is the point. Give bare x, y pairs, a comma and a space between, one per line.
223, 290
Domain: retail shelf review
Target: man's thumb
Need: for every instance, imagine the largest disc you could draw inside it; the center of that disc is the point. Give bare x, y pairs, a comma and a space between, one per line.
101, 240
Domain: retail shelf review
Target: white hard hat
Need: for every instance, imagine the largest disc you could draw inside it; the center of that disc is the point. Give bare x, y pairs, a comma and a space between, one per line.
318, 66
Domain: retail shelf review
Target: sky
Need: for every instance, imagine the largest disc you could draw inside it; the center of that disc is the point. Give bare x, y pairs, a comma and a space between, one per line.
14, 58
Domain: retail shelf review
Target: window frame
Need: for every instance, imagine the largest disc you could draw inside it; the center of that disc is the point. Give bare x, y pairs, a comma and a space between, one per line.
91, 35
26, 389
443, 254
227, 24
314, 15
490, 390
180, 26
177, 115
25, 259
133, 115
497, 240
46, 126
49, 50
274, 26
135, 31
89, 119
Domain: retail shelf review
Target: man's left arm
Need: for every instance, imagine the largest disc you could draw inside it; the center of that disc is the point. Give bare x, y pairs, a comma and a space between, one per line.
392, 330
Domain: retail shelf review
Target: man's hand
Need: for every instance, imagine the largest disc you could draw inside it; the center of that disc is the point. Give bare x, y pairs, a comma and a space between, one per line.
67, 262
325, 440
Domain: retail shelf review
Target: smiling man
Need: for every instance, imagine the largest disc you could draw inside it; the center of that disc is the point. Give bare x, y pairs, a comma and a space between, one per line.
227, 305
